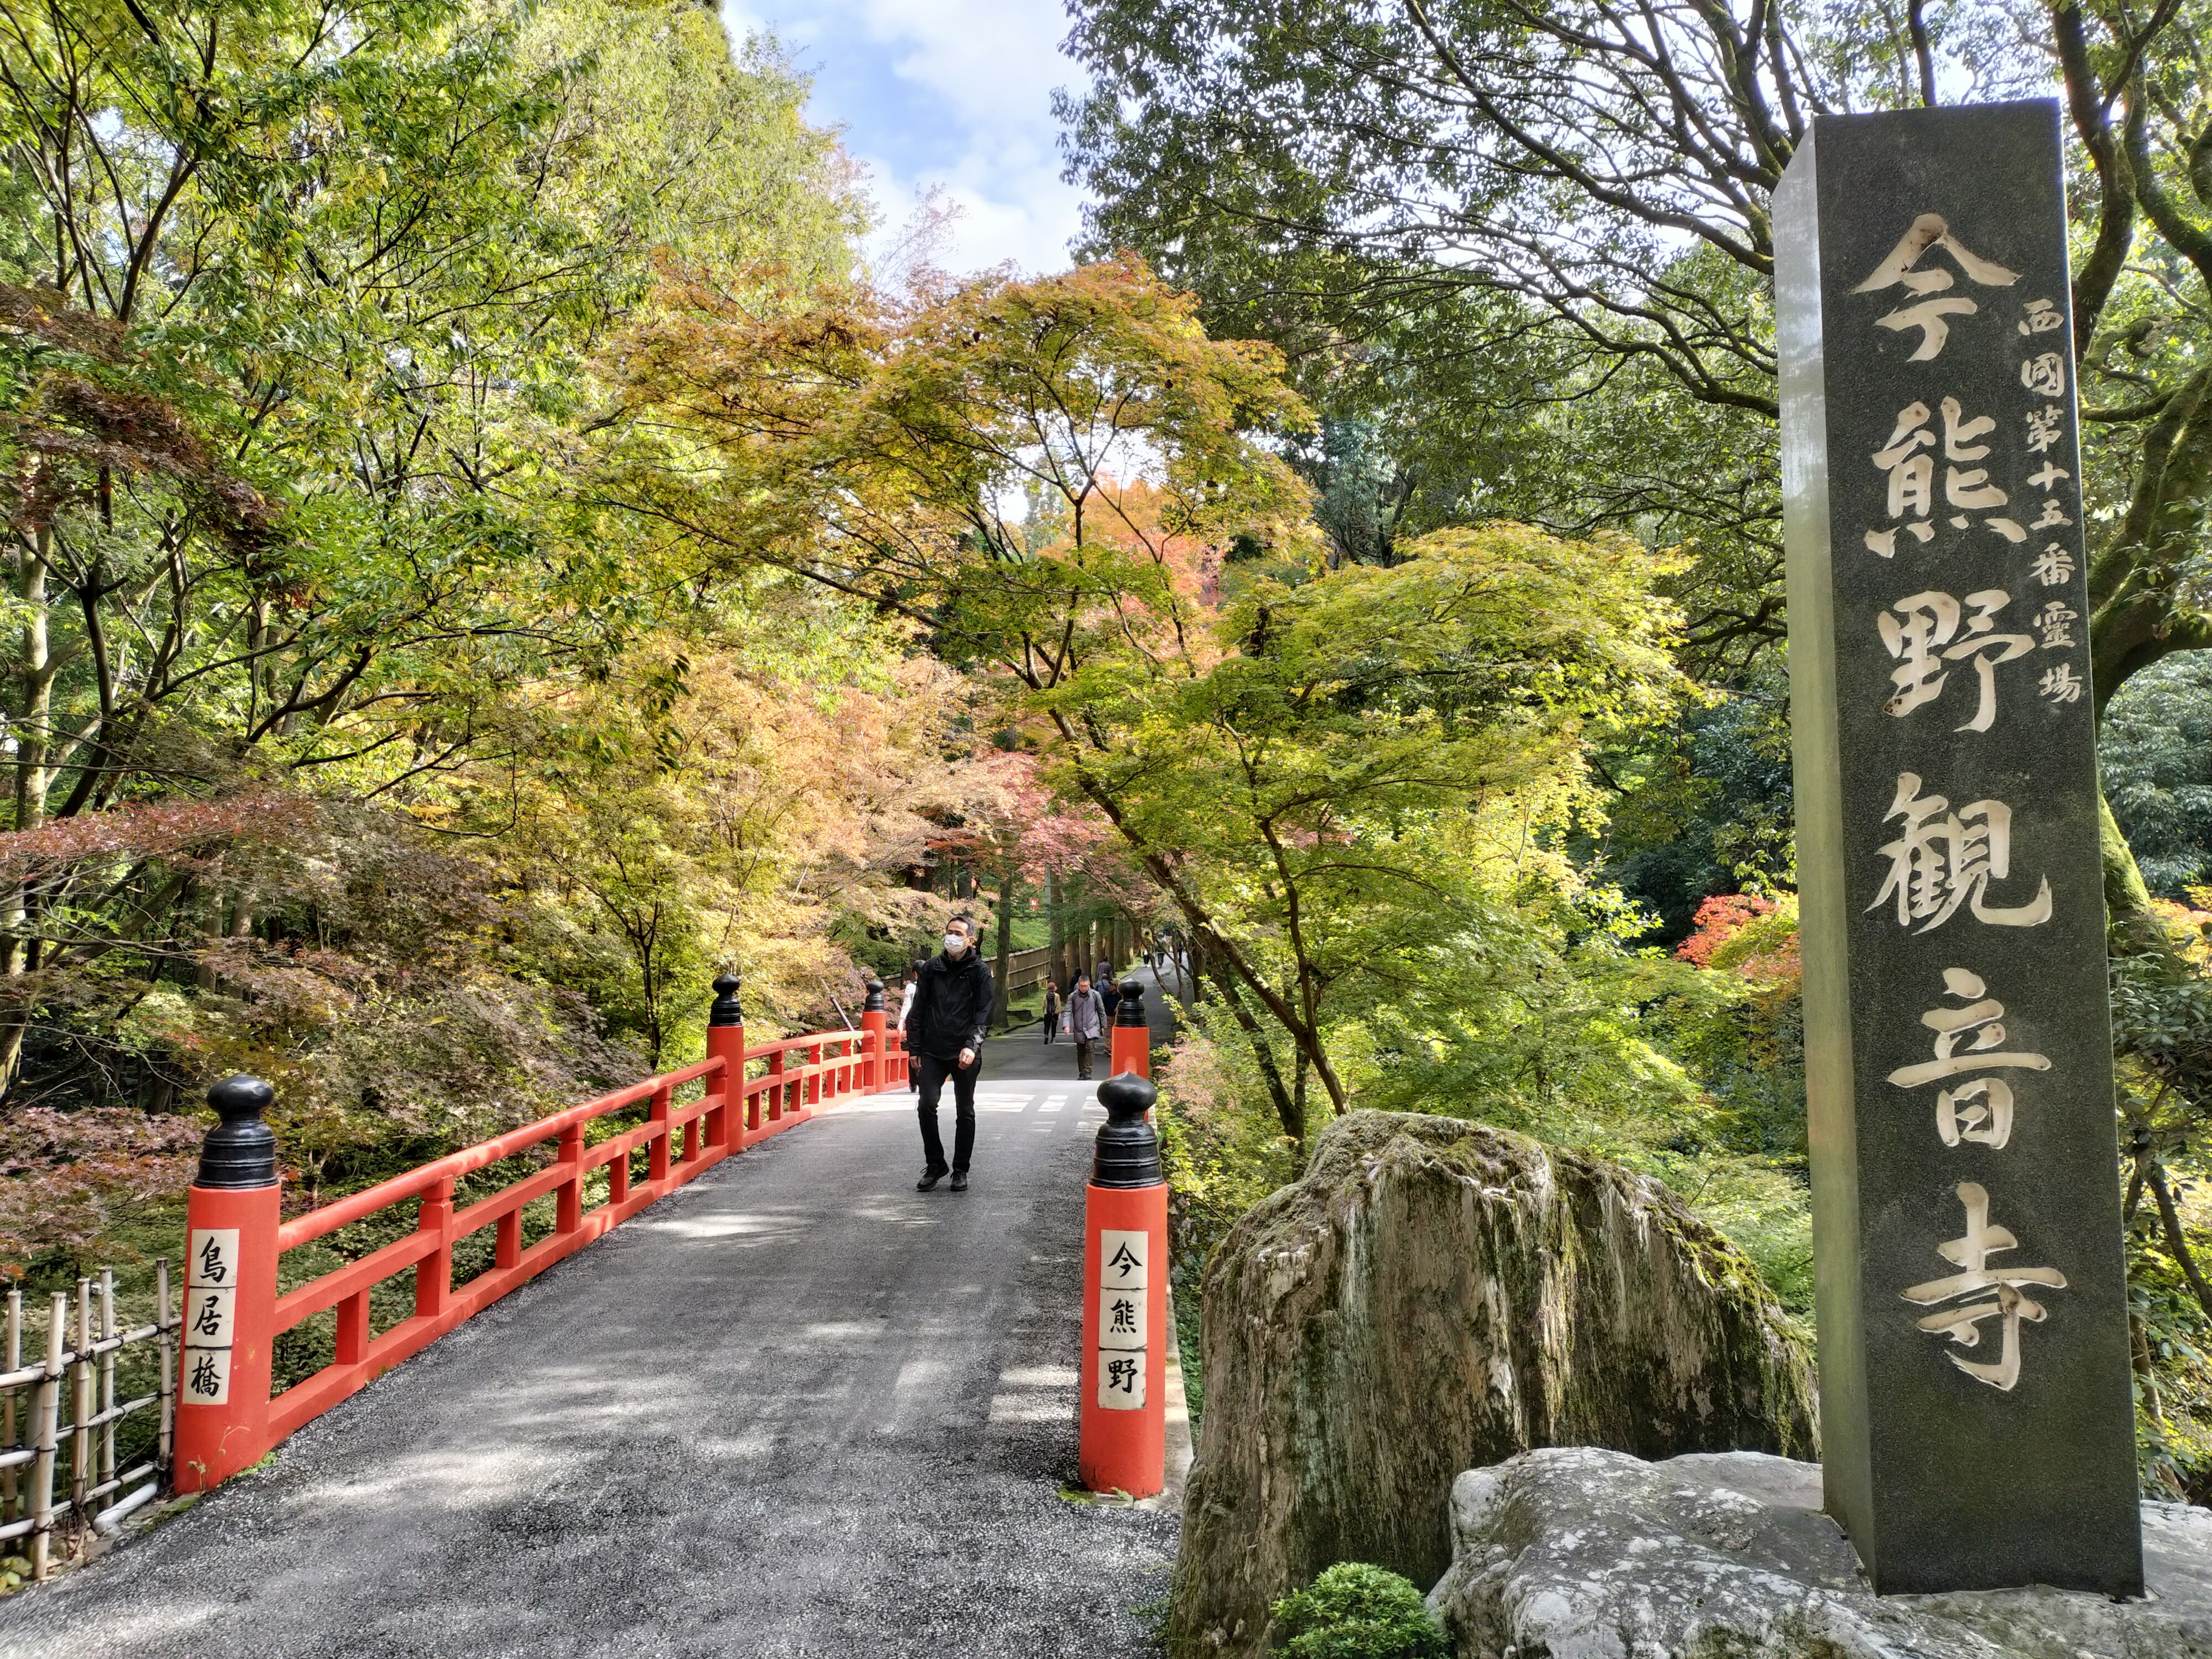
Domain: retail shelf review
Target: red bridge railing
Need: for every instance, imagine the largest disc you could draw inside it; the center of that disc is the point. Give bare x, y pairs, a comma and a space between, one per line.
233, 1314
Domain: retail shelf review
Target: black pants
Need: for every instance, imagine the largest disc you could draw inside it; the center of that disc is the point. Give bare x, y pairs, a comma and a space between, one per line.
932, 1071
1051, 1023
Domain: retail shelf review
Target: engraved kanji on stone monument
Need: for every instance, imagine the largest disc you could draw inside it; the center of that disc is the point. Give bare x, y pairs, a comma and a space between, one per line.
1983, 1291
1978, 1108
1958, 1059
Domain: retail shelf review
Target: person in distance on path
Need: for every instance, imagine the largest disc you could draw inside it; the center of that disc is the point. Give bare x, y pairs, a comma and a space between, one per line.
1087, 1018
944, 1029
1051, 1008
906, 1007
1107, 992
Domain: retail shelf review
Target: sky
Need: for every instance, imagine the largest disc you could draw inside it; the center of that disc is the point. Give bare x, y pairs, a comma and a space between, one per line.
955, 94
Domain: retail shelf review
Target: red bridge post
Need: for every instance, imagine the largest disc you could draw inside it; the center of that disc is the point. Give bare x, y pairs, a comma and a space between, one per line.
1123, 1440
230, 1292
726, 1041
1131, 1039
874, 1021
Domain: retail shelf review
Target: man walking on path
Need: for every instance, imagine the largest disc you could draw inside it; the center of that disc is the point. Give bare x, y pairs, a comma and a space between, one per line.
1087, 1018
1051, 1009
945, 1031
1107, 992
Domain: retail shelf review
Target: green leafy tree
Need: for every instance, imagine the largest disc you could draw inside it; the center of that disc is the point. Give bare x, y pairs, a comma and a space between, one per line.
296, 303
2156, 755
1286, 759
1504, 224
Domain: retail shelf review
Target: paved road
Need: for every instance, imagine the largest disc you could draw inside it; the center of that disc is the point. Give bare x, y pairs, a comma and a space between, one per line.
795, 1409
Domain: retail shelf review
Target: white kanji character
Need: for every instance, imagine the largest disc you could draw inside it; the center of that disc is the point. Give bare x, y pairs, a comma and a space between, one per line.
2042, 317
1943, 861
2053, 567
1911, 474
1912, 478
2049, 475
1901, 269
2053, 623
2061, 685
1995, 1291
1930, 621
2045, 374
1981, 1108
2052, 517
1963, 486
2045, 426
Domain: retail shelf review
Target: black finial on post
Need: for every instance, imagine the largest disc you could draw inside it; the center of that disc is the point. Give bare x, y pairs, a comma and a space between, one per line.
726, 1010
1128, 1152
1130, 1010
874, 1005
241, 1150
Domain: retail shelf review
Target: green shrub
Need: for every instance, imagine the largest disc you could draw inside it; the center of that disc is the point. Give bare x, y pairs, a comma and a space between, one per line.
1354, 1611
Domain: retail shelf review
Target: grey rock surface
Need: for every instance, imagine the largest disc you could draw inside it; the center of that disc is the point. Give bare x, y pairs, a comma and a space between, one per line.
1434, 1294
1577, 1552
796, 1409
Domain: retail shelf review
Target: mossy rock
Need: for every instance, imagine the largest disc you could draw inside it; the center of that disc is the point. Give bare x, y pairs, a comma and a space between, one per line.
1432, 1296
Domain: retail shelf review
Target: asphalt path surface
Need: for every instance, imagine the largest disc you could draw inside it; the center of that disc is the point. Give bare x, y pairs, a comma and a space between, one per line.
795, 1409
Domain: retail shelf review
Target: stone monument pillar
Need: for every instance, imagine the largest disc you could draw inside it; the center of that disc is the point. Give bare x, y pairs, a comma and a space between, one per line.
1977, 1421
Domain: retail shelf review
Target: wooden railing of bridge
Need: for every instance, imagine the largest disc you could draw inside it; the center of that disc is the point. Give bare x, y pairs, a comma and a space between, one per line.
233, 1311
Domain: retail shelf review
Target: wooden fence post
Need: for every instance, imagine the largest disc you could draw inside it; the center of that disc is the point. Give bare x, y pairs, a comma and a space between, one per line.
434, 1273
230, 1292
47, 1437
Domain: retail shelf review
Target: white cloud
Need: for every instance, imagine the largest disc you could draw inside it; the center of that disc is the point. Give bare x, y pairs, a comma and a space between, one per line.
955, 94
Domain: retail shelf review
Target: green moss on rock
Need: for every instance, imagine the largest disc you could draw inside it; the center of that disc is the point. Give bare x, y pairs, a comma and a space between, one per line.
1435, 1295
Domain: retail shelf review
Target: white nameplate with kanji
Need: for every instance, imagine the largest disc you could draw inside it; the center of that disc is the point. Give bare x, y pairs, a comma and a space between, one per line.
1120, 1319
1122, 1258
1120, 1379
207, 1376
214, 1256
208, 1316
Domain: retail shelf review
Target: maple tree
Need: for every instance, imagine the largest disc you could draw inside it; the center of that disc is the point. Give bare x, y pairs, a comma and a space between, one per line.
1152, 623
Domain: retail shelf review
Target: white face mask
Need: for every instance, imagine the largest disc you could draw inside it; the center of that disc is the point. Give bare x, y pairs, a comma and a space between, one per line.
955, 943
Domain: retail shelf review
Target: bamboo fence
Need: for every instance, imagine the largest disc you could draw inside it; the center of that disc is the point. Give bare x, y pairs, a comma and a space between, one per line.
59, 1484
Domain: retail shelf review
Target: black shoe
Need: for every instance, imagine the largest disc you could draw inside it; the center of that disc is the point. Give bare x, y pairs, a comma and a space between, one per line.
929, 1179
960, 1181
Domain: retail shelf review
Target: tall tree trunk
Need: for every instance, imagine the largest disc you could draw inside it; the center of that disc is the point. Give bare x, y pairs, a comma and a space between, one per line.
1005, 946
33, 743
2131, 925
1054, 895
1289, 1112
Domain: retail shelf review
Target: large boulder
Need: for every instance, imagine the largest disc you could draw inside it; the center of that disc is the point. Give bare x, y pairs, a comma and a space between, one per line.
1435, 1295
1580, 1553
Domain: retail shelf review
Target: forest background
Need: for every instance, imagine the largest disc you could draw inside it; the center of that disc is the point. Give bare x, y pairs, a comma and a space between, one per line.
488, 550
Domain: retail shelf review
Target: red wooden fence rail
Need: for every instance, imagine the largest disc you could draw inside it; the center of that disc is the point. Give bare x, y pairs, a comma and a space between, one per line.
226, 1419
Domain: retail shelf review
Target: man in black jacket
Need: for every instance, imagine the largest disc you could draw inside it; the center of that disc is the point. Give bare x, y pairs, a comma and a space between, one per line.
945, 1033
